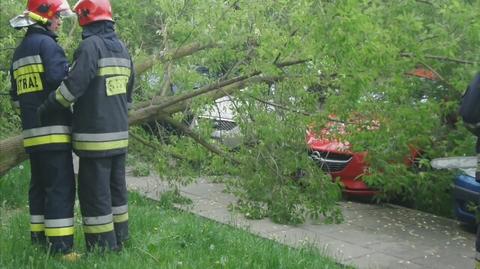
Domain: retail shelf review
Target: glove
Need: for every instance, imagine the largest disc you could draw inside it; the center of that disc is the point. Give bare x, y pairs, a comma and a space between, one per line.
41, 113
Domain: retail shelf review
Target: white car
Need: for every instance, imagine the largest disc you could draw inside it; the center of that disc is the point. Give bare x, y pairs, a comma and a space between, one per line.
226, 130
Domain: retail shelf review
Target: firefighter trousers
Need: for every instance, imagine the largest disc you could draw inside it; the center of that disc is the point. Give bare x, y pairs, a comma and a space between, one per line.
51, 198
102, 193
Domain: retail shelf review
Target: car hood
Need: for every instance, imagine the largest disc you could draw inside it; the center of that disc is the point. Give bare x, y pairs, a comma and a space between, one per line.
331, 136
327, 144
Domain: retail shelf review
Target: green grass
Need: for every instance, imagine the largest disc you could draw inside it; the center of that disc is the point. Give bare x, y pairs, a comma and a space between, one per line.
14, 187
160, 238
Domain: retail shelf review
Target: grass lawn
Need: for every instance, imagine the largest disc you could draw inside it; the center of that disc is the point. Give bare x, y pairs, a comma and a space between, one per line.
161, 237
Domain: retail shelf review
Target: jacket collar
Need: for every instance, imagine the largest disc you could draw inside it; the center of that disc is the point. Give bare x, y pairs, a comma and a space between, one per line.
38, 29
102, 28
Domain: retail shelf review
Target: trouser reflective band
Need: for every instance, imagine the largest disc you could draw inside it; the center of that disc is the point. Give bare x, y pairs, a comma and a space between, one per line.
46, 135
59, 227
120, 213
96, 225
37, 223
100, 141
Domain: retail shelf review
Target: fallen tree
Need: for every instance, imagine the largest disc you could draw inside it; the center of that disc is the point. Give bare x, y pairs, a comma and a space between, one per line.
12, 152
11, 149
357, 67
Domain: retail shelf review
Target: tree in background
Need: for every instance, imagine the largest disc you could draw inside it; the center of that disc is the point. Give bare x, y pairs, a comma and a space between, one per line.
308, 59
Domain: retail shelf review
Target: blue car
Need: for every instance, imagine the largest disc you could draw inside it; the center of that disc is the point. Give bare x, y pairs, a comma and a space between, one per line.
466, 192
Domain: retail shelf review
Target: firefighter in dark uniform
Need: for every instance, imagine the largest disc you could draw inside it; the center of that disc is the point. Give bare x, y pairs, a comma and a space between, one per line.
38, 67
470, 113
99, 85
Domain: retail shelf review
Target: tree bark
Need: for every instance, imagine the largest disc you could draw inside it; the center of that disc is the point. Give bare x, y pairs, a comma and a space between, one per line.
11, 153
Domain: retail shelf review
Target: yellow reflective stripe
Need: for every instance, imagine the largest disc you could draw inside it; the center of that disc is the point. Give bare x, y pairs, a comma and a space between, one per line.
96, 229
114, 70
59, 231
95, 146
48, 139
34, 68
120, 218
37, 227
59, 97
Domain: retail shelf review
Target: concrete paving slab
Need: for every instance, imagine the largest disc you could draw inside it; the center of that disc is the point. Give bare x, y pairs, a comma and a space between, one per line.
379, 260
150, 187
400, 249
446, 261
357, 237
219, 215
300, 237
202, 205
372, 236
204, 189
343, 251
264, 226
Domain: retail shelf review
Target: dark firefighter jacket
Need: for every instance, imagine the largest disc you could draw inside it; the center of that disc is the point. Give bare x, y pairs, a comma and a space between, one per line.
38, 67
99, 85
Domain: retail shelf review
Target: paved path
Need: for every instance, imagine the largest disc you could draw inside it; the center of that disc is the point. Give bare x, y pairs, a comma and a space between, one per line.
372, 236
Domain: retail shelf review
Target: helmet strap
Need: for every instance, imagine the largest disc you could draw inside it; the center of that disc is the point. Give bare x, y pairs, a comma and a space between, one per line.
39, 19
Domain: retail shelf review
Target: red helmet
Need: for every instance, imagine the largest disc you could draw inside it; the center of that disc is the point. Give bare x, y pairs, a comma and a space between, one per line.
89, 11
49, 8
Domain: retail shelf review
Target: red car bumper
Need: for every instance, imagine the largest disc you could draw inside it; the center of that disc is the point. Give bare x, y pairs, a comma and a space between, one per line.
348, 167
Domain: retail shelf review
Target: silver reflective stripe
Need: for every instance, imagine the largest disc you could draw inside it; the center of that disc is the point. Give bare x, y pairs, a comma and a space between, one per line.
36, 218
16, 104
66, 93
58, 223
100, 137
27, 60
114, 62
117, 210
56, 129
98, 220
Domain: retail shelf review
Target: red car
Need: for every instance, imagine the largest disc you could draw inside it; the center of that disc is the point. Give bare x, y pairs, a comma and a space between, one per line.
336, 158
334, 155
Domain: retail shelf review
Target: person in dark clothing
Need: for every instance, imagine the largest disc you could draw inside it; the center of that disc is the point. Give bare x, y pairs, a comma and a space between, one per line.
477, 178
99, 85
38, 67
470, 113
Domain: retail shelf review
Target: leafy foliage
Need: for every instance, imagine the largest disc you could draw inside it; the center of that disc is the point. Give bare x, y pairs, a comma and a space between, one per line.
353, 59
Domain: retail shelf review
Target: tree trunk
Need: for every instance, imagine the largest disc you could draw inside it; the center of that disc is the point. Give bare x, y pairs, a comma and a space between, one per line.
11, 153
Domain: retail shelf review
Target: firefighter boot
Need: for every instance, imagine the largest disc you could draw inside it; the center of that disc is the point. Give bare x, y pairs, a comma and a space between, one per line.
71, 257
